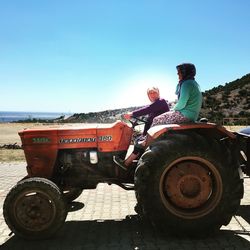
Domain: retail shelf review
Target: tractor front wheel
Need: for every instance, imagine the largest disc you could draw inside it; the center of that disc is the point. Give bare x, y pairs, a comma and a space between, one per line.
34, 208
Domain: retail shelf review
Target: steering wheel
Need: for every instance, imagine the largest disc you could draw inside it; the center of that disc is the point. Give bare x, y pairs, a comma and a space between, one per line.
135, 121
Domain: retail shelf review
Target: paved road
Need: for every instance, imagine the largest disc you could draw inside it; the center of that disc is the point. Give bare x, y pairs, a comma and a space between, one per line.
104, 218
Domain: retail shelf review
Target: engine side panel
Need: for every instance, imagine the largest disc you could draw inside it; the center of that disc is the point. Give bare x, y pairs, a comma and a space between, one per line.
41, 146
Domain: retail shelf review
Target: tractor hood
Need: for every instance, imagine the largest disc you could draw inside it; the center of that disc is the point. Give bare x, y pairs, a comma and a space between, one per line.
104, 137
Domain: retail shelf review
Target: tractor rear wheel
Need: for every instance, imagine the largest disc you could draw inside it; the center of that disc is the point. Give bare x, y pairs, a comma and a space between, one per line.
188, 183
34, 208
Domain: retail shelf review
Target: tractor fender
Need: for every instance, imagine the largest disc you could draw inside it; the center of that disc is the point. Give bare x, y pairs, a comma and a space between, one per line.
159, 130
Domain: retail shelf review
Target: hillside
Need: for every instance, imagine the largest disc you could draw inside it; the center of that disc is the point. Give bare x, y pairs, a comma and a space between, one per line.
229, 101
107, 116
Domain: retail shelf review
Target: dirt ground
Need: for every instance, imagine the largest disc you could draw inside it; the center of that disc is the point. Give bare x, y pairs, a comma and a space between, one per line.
9, 135
9, 131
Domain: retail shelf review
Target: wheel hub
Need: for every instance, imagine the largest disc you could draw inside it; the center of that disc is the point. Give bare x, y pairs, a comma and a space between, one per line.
34, 211
188, 184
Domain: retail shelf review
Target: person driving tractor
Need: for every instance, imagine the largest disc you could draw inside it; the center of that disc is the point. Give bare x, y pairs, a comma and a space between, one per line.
158, 106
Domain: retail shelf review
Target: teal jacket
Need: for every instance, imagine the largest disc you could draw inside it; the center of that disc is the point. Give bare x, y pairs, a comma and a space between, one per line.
190, 99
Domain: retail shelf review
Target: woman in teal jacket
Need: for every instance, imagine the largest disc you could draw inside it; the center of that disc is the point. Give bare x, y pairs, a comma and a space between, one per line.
189, 103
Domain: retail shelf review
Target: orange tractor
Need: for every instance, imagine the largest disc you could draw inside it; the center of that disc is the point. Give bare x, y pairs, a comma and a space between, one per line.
189, 178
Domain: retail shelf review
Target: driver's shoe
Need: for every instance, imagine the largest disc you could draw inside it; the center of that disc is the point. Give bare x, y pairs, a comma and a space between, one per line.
119, 162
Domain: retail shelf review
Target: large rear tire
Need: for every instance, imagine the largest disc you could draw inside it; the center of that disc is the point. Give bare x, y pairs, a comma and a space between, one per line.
34, 208
188, 184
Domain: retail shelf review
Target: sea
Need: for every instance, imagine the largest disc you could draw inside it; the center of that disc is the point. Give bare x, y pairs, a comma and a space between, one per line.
13, 116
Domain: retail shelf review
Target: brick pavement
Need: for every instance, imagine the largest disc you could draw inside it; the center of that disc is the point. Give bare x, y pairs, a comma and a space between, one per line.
104, 218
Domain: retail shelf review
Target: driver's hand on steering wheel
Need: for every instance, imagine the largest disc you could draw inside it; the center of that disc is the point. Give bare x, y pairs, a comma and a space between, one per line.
128, 115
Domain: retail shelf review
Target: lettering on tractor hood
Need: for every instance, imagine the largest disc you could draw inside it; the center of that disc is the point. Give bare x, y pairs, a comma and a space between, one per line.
77, 140
84, 140
40, 140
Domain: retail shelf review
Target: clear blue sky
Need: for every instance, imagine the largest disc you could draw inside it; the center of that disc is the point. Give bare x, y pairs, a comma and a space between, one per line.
94, 55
